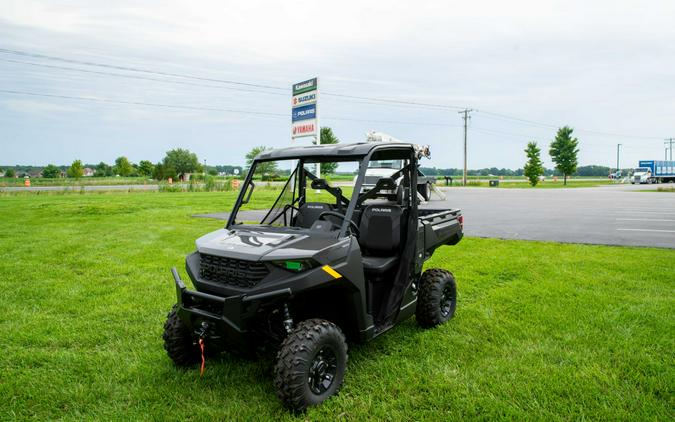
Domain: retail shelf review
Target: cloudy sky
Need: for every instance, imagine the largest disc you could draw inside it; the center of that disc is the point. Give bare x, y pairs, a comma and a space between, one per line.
216, 76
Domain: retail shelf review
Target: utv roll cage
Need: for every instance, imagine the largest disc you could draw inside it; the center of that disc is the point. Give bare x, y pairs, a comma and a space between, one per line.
362, 153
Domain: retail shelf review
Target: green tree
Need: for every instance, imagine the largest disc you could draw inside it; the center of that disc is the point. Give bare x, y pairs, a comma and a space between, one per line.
103, 170
163, 171
10, 172
145, 168
123, 167
564, 151
533, 168
182, 161
51, 171
266, 168
327, 137
76, 170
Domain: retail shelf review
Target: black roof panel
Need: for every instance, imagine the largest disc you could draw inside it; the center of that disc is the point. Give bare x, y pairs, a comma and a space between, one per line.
330, 151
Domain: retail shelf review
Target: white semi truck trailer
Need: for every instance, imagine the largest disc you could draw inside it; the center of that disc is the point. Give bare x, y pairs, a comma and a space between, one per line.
654, 171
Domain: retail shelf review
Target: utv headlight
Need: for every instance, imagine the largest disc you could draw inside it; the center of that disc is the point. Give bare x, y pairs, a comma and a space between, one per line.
296, 265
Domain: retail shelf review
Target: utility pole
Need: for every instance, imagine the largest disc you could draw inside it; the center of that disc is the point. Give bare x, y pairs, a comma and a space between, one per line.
617, 159
669, 142
466, 118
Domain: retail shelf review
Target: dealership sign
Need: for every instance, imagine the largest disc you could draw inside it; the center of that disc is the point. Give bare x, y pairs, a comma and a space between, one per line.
304, 99
304, 113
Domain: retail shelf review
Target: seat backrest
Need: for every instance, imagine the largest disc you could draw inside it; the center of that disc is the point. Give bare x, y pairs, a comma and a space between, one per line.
309, 212
380, 229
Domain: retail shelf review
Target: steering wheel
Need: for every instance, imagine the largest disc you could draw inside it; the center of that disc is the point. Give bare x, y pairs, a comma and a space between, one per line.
342, 217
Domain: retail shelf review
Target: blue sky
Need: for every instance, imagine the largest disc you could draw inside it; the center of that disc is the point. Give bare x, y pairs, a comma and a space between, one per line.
604, 68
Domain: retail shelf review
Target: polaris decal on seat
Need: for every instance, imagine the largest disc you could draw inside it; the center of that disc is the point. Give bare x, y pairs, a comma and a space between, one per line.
315, 207
381, 209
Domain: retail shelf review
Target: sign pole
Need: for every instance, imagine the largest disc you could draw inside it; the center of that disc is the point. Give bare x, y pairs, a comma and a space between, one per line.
318, 129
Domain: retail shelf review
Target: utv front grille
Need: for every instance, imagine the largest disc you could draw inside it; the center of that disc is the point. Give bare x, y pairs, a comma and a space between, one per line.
230, 271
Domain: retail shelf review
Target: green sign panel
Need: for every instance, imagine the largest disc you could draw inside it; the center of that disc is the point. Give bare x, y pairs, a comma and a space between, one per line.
305, 86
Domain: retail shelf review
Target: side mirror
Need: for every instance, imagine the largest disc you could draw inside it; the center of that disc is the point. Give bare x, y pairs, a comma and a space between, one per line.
249, 193
319, 184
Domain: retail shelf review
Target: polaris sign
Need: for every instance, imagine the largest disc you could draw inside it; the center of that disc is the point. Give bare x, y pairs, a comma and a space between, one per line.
304, 113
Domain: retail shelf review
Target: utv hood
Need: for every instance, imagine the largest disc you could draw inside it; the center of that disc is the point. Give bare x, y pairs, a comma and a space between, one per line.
254, 245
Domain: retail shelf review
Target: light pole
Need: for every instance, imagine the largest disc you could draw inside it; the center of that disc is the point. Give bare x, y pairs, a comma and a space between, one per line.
617, 160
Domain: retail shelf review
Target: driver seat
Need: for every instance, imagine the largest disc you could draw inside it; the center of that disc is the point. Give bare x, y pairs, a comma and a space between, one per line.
380, 237
309, 212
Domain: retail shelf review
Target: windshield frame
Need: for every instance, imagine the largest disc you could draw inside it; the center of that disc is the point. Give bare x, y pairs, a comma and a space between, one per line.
301, 186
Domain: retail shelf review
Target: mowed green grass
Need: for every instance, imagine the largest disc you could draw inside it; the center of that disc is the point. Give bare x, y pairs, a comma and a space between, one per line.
543, 330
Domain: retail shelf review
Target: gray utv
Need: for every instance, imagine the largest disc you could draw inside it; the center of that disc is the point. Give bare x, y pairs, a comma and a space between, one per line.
315, 270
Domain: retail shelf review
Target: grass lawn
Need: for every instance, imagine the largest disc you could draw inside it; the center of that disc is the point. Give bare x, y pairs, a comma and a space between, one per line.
543, 330
83, 181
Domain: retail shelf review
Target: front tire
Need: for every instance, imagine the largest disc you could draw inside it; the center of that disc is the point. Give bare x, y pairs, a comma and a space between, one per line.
437, 298
179, 343
310, 364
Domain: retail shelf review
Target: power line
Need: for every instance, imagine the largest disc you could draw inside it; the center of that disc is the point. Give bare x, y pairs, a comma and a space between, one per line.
201, 108
187, 76
487, 113
146, 78
171, 81
129, 102
386, 100
136, 69
546, 125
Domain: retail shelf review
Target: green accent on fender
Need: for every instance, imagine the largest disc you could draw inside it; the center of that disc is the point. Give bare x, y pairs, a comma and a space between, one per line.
293, 265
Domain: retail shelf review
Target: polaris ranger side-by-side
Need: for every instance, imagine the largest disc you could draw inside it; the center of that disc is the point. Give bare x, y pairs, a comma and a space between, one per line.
315, 270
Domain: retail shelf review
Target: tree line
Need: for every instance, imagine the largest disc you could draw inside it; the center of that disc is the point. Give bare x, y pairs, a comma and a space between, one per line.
592, 170
176, 164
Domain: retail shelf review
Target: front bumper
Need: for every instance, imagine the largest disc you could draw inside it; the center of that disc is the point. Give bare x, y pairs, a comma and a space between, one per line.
222, 317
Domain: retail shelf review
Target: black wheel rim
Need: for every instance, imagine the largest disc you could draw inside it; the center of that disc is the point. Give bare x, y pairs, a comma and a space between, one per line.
447, 300
322, 370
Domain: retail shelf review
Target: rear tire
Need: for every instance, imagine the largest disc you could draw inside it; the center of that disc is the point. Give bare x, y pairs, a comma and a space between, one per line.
425, 191
437, 298
310, 364
179, 343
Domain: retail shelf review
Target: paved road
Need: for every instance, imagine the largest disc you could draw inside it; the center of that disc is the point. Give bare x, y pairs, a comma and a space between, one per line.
611, 215
608, 215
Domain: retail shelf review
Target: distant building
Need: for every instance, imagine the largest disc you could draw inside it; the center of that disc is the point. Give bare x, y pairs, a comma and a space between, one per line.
88, 172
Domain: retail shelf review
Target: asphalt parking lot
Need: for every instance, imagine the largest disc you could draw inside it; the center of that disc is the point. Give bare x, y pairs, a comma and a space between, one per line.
606, 215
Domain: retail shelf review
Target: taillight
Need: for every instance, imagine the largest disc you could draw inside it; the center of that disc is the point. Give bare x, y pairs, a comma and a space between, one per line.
461, 221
